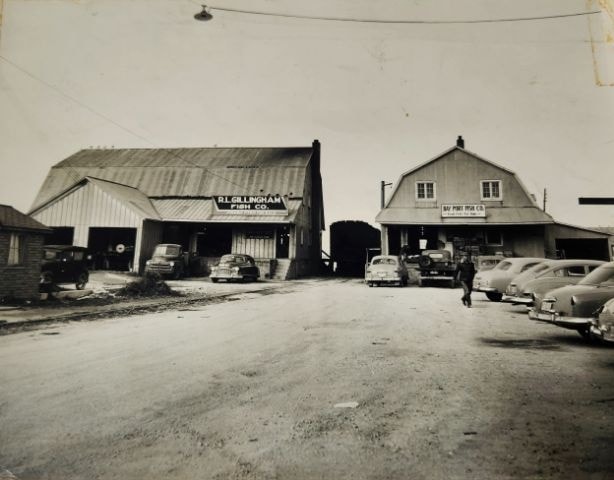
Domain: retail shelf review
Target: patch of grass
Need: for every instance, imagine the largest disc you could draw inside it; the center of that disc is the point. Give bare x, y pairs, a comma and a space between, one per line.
150, 284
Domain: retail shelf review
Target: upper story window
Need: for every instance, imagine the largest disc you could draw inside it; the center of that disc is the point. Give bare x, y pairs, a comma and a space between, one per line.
425, 190
16, 249
491, 190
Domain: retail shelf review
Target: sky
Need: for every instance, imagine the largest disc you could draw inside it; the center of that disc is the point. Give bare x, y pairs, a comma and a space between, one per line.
536, 97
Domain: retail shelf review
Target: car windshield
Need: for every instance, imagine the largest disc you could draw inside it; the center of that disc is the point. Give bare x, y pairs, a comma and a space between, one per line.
527, 266
503, 265
231, 259
51, 254
166, 251
384, 261
540, 267
600, 276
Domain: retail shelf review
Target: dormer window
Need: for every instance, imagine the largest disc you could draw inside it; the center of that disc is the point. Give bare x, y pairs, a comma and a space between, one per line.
425, 190
491, 190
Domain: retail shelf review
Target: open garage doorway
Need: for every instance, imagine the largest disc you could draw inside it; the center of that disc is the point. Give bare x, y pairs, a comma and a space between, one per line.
584, 248
112, 248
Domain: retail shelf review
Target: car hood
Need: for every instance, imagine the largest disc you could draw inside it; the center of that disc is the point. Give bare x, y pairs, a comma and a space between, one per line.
163, 258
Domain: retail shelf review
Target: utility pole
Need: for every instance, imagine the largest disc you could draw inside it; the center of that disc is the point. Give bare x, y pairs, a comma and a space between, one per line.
545, 197
383, 192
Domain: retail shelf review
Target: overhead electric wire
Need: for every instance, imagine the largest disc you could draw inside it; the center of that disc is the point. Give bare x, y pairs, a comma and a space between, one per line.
110, 120
385, 21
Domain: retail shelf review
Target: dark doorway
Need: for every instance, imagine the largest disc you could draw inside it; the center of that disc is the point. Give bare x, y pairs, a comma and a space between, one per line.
60, 236
215, 241
585, 248
112, 248
283, 242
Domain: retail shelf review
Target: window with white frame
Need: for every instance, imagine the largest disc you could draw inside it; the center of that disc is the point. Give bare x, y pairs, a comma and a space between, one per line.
16, 249
491, 189
425, 190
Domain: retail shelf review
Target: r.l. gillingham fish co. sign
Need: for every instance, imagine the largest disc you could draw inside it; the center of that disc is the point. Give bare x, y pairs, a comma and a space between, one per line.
250, 203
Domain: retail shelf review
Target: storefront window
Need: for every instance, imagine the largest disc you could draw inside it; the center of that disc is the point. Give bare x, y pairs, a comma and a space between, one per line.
491, 189
425, 190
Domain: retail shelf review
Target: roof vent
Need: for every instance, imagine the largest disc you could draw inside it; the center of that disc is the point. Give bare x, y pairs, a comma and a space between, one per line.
460, 142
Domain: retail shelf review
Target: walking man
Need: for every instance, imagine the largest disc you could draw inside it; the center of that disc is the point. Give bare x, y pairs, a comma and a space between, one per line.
465, 271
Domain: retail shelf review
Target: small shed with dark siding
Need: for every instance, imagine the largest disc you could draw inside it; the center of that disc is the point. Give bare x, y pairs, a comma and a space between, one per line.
21, 253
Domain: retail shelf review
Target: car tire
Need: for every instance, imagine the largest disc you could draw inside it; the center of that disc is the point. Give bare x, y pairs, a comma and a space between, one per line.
494, 296
585, 333
214, 280
370, 284
425, 261
82, 280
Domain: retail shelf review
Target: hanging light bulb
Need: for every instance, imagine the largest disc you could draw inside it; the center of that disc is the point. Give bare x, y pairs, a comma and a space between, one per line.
203, 16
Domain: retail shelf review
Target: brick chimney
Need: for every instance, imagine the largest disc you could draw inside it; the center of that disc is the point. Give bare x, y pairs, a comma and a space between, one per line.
460, 142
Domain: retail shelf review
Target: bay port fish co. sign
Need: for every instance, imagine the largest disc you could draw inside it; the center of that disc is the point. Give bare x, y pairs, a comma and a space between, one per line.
250, 203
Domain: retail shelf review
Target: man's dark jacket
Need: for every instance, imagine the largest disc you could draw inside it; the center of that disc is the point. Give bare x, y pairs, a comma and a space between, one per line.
465, 271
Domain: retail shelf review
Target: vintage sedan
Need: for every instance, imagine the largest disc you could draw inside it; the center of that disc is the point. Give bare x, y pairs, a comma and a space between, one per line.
64, 264
386, 270
574, 306
494, 282
543, 277
235, 267
602, 326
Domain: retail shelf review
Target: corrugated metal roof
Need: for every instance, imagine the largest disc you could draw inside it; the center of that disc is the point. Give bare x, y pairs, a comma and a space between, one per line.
12, 219
183, 209
186, 172
494, 216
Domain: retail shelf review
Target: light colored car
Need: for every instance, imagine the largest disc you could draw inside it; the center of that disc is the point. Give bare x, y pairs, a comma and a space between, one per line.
543, 277
602, 327
487, 262
494, 282
235, 267
574, 306
386, 270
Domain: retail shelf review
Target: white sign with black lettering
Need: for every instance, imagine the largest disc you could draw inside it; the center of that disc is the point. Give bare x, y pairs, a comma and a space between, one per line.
463, 211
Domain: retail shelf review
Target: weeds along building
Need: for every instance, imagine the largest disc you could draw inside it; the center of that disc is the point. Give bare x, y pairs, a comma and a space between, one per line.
120, 203
460, 201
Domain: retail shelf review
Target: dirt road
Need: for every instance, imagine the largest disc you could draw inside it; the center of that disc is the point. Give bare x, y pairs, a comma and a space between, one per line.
263, 387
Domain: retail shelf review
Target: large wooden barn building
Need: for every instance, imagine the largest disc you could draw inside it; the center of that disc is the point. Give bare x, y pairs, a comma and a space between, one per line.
120, 203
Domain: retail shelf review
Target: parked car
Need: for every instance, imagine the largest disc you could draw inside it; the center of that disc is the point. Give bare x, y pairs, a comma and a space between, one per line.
235, 267
574, 306
487, 262
602, 326
494, 282
386, 269
168, 259
546, 276
64, 264
436, 266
